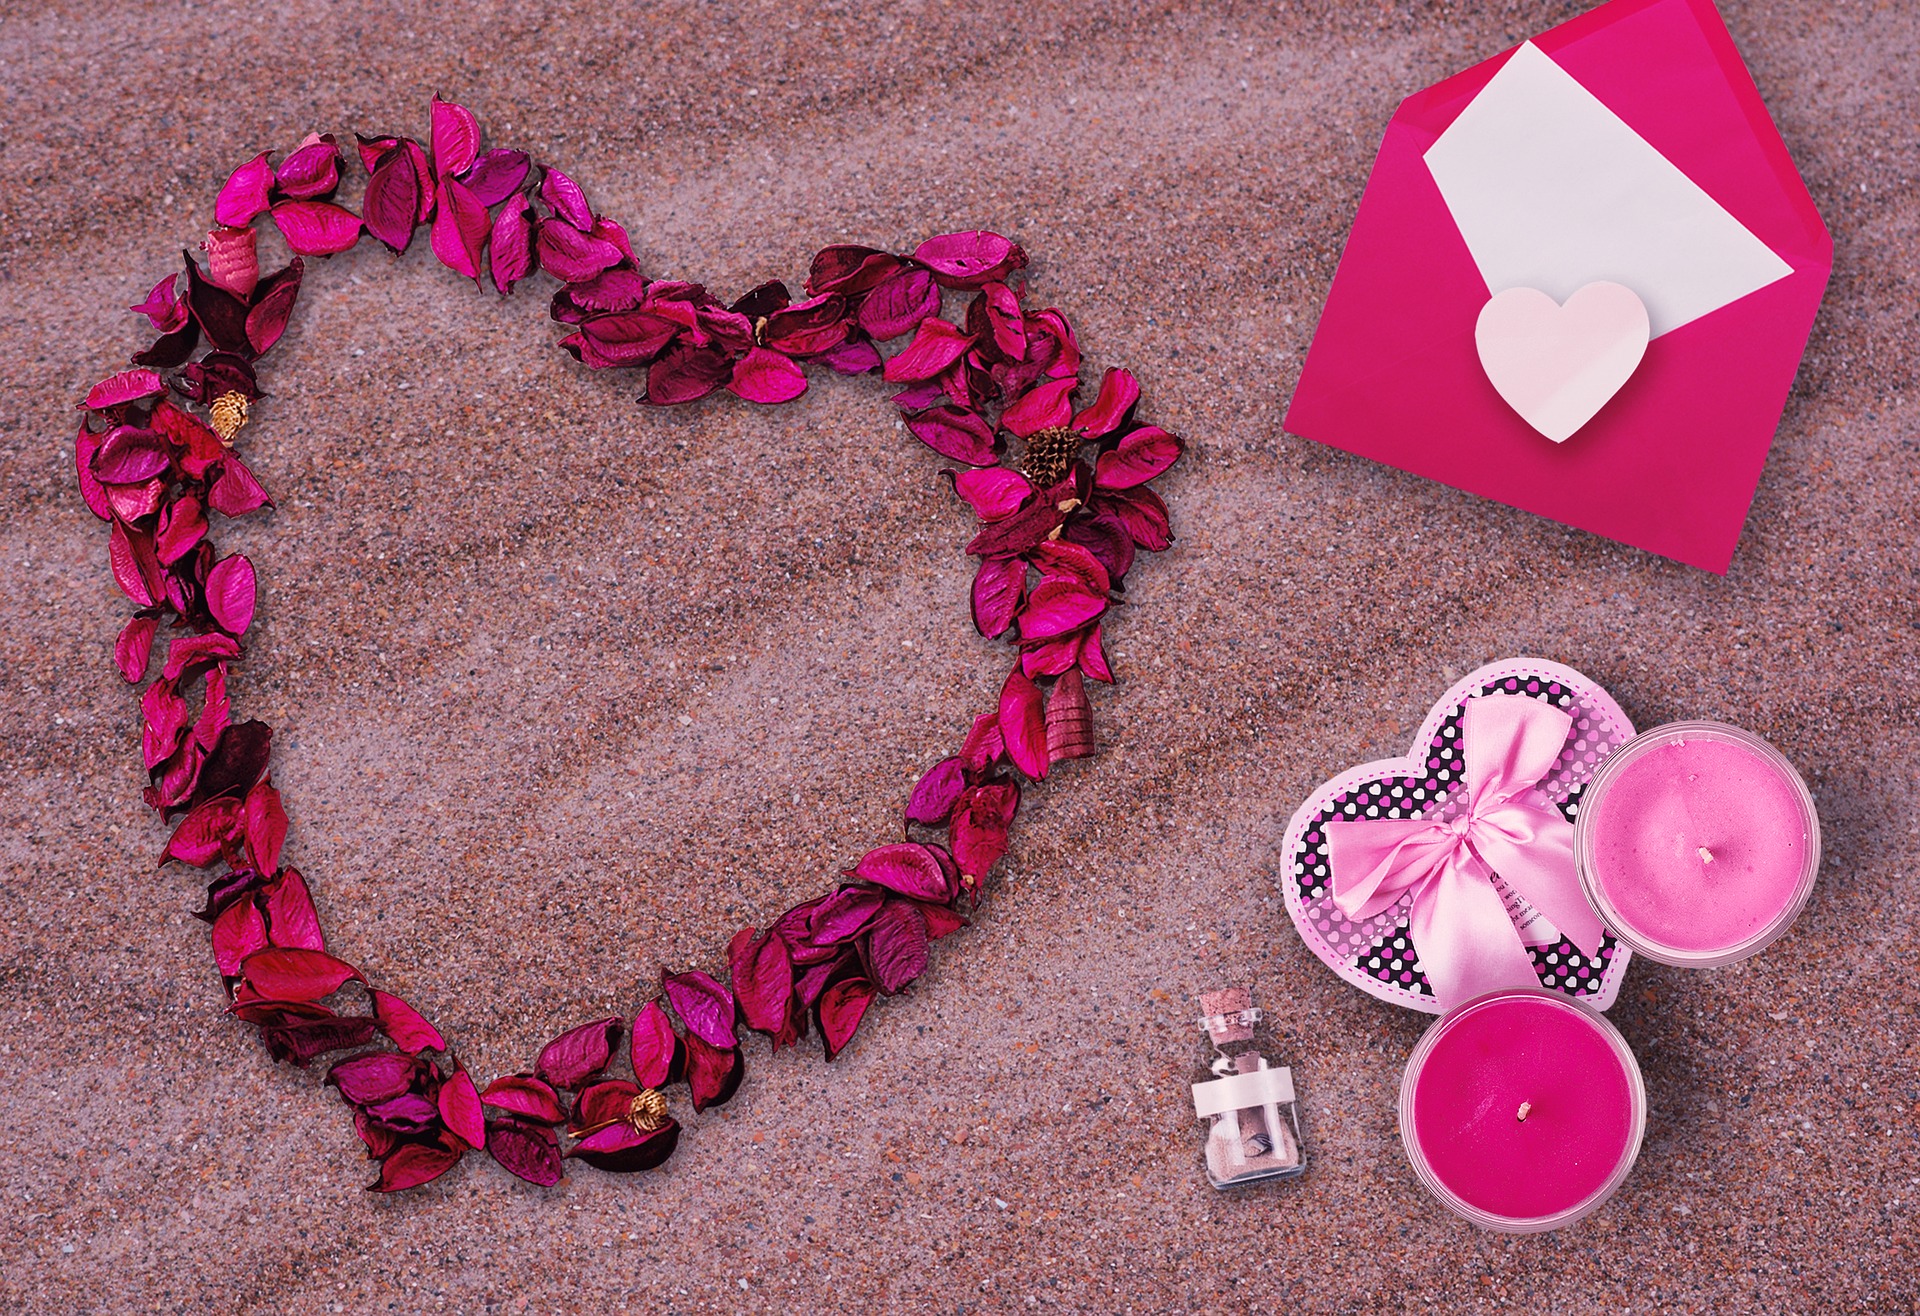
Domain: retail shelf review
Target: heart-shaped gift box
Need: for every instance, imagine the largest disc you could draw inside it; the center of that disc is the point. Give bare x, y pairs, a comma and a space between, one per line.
1376, 949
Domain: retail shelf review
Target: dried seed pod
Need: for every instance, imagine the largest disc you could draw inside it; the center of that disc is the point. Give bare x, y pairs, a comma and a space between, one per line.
228, 413
1050, 454
1069, 719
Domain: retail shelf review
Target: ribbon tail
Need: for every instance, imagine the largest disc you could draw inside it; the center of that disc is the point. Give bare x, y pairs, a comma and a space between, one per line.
1466, 942
1536, 860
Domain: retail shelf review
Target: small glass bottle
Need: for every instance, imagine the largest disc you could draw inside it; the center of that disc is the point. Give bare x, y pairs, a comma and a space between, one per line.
1253, 1132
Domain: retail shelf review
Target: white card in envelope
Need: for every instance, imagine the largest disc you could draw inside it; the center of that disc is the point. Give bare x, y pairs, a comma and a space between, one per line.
1552, 190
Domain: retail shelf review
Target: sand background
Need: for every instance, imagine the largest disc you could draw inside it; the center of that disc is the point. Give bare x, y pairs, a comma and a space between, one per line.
565, 689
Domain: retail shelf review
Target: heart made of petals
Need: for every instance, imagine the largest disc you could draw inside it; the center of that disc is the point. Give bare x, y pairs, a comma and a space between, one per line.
1053, 550
1378, 954
1556, 365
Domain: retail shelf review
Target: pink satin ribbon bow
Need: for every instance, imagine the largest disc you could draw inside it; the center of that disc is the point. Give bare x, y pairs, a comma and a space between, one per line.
1466, 942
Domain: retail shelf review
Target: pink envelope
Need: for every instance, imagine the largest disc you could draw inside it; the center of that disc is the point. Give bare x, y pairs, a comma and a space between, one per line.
1670, 464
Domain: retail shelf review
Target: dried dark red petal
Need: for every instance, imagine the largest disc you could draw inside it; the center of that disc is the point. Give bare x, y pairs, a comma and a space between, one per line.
704, 1006
897, 945
713, 1072
622, 1149
407, 1027
686, 373
906, 868
576, 1057
302, 1042
411, 1164
531, 1151
849, 270
296, 975
970, 259
461, 1110
1023, 723
963, 435
497, 175
899, 303
395, 193
292, 922
236, 761
841, 1008
366, 1080
762, 972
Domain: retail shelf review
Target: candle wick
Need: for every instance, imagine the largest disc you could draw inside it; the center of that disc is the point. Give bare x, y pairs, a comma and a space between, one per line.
1525, 1106
1706, 855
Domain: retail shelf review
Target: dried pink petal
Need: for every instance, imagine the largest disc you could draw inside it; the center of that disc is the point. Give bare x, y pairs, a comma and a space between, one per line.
312, 171
834, 922
568, 202
244, 194
1139, 512
368, 1080
461, 1111
964, 436
166, 721
897, 945
129, 455
455, 136
135, 568
297, 975
265, 823
1045, 408
970, 259
984, 745
1119, 390
762, 973
849, 270
531, 1151
273, 305
411, 1164
230, 594
236, 492
1139, 457
841, 1008
713, 1072
999, 589
511, 242
899, 303
994, 493
623, 1149
935, 793
213, 721
571, 255
460, 228
936, 346
767, 377
1057, 606
659, 1057
980, 825
704, 1006
856, 356
576, 1057
396, 193
237, 933
133, 649
407, 1113
686, 373
190, 653
85, 444
1023, 722
409, 1028
127, 386
232, 261
907, 868
316, 228
941, 921
525, 1095
497, 175
166, 310
1062, 560
807, 328
1007, 323
292, 921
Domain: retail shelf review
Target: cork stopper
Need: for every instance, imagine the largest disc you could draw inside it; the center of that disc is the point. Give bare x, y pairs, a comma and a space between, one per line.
1228, 1015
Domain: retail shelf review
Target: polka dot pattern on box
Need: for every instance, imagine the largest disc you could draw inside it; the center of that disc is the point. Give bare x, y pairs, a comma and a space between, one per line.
1378, 954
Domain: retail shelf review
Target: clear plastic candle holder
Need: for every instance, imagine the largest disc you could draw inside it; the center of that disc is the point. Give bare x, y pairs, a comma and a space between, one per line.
1697, 844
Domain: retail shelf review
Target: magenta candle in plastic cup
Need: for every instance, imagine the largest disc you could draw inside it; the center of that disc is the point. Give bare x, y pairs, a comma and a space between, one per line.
1697, 843
1522, 1110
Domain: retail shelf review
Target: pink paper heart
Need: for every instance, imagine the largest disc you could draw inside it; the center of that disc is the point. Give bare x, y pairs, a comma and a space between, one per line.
1558, 365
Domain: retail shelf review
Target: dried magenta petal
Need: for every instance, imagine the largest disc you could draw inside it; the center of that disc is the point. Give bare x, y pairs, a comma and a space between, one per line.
292, 921
979, 834
511, 244
686, 373
762, 971
1046, 407
899, 303
576, 1057
1057, 606
995, 493
837, 920
970, 259
659, 1058
566, 199
311, 171
230, 594
841, 1008
935, 346
767, 377
897, 945
1140, 456
127, 386
525, 1095
704, 1006
571, 255
273, 306
906, 868
236, 492
1119, 391
1139, 512
182, 526
244, 194
410, 1112
461, 1111
129, 455
964, 436
497, 175
368, 1080
999, 588
531, 1151
935, 794
316, 228
396, 192
411, 1164
164, 309
132, 651
460, 228
265, 824
296, 975
1023, 723
409, 1030
621, 1149
237, 933
455, 137
713, 1072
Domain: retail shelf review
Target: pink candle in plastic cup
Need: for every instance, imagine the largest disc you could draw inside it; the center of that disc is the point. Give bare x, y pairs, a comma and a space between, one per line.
1522, 1110
1697, 843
